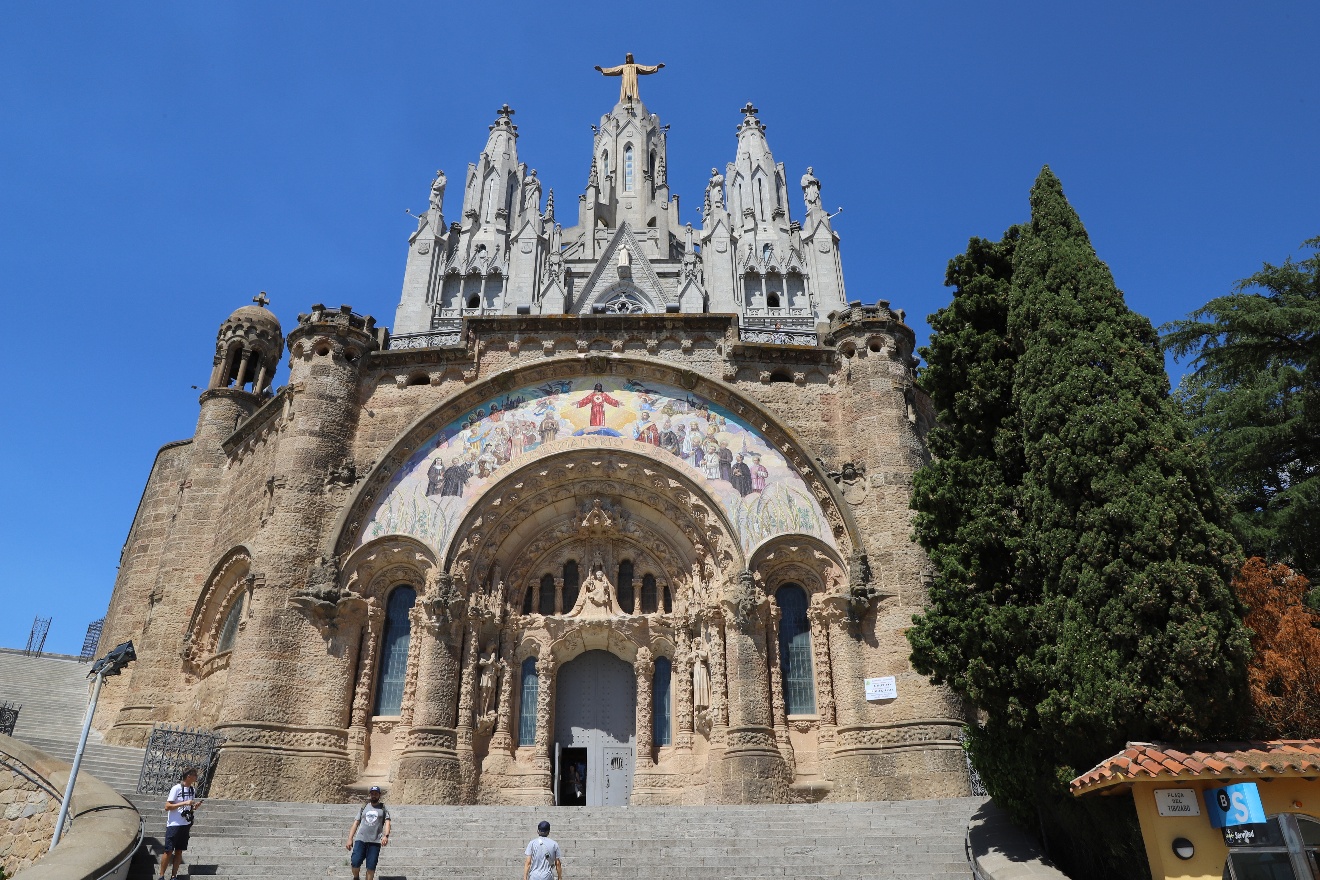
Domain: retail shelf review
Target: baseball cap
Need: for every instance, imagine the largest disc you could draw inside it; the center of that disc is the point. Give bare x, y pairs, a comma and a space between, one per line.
543, 828
375, 789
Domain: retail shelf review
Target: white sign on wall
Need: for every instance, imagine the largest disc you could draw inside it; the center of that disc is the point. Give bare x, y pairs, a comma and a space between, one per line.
1177, 802
885, 688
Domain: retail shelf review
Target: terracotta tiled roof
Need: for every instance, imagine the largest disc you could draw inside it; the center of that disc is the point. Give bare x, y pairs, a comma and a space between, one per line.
1150, 761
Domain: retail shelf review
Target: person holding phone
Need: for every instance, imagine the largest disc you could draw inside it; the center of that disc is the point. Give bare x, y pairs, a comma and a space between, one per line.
179, 808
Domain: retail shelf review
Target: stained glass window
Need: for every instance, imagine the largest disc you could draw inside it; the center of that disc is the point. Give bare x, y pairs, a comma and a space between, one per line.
527, 707
230, 630
394, 651
795, 651
661, 709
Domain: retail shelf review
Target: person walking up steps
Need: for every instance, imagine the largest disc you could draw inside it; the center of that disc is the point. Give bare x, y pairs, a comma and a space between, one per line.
179, 808
370, 831
542, 854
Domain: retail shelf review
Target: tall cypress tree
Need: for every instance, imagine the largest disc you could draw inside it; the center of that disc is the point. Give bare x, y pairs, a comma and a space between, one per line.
1112, 618
964, 497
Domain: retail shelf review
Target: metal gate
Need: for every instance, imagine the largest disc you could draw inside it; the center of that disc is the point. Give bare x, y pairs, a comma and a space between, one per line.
596, 710
9, 718
173, 750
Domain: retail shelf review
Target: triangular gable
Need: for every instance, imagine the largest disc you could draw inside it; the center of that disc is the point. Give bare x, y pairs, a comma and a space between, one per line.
606, 273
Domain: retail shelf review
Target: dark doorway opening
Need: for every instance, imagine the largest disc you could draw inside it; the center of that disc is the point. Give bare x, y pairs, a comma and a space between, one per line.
573, 778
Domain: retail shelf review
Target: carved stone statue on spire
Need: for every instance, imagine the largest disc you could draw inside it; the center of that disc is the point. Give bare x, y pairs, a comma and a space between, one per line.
438, 191
629, 70
531, 194
715, 191
811, 189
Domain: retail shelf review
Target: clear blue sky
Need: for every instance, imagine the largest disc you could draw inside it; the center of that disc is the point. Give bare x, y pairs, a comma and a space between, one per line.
162, 162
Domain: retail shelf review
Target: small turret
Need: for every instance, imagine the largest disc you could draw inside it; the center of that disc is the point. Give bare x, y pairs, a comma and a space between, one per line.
248, 349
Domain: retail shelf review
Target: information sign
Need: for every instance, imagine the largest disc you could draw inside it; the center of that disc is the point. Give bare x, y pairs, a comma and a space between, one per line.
885, 688
1234, 805
1177, 802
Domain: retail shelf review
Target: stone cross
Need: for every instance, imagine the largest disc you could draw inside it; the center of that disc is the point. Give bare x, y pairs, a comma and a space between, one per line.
260, 299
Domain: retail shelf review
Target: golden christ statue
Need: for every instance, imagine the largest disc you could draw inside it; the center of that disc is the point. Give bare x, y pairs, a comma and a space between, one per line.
629, 70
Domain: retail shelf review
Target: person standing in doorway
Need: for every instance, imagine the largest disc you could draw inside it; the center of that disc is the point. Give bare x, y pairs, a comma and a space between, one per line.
370, 831
179, 808
542, 855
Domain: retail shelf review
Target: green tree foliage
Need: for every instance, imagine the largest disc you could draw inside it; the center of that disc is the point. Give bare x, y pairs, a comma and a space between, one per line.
1082, 593
1254, 399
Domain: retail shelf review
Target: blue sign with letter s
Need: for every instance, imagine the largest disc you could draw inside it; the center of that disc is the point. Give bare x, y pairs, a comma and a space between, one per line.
1234, 805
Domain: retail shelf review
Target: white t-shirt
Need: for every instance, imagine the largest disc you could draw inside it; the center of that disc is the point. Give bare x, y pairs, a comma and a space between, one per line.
544, 853
179, 793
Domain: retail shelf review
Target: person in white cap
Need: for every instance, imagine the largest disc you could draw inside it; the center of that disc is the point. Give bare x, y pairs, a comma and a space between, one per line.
542, 854
370, 831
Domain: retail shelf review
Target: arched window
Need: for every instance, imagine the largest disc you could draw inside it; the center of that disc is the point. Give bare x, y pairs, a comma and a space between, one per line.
394, 651
626, 586
547, 604
661, 727
547, 589
795, 650
230, 629
669, 599
772, 300
628, 168
474, 301
648, 594
760, 198
529, 598
527, 706
571, 581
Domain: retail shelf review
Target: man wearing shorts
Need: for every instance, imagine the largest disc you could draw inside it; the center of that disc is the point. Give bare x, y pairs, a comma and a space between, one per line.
542, 855
178, 821
370, 831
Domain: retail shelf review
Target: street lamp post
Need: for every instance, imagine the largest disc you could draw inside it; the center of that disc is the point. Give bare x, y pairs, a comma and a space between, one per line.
111, 664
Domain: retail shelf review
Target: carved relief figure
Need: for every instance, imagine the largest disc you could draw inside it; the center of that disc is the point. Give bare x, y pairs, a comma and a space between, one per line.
701, 676
596, 598
489, 681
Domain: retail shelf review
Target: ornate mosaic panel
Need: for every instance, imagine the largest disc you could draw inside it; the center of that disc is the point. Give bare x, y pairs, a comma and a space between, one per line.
759, 491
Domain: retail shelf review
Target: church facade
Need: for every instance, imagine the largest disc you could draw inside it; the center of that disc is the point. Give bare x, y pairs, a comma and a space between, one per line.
617, 512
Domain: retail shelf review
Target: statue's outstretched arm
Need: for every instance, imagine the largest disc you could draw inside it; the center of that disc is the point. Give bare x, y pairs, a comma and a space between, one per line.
642, 68
611, 71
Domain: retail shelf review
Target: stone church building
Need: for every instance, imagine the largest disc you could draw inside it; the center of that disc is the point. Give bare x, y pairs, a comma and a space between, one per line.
617, 512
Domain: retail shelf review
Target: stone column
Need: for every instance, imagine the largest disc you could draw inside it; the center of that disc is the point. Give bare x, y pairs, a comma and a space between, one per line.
683, 712
774, 662
752, 770
243, 369
644, 668
502, 740
428, 768
467, 765
719, 688
545, 682
362, 693
559, 596
819, 616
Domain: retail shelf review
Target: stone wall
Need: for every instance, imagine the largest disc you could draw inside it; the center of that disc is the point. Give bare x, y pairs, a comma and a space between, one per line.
30, 805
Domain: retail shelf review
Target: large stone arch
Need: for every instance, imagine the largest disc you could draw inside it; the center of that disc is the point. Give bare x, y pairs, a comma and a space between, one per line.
597, 496
563, 375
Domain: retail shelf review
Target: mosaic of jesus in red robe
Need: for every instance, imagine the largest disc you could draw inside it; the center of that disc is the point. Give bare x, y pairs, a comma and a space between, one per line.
597, 400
